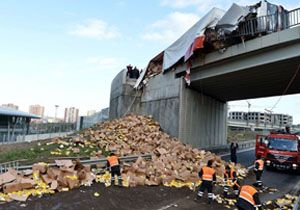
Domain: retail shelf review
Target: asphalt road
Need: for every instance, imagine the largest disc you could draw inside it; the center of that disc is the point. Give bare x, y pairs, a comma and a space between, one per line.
284, 181
152, 198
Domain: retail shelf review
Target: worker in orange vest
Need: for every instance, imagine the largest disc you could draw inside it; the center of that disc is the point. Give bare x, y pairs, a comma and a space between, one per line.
248, 198
208, 176
258, 170
113, 163
230, 177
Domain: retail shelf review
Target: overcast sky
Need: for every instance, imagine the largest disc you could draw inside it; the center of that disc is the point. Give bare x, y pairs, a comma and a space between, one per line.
67, 52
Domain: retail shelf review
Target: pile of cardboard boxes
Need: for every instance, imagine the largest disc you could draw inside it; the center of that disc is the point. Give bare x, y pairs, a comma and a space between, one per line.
171, 159
173, 163
19, 185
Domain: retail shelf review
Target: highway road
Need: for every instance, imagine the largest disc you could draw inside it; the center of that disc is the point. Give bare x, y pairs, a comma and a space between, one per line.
152, 198
284, 181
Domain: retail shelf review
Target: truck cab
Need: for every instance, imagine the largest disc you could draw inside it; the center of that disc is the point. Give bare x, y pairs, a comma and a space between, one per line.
280, 150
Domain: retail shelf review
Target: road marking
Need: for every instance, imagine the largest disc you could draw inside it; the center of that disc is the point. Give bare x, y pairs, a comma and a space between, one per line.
238, 152
250, 167
168, 206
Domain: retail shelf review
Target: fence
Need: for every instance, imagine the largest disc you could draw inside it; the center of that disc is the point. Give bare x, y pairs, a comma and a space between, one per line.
36, 132
269, 23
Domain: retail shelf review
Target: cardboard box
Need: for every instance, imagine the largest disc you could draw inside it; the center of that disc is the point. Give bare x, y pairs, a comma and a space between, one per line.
40, 167
7, 178
12, 187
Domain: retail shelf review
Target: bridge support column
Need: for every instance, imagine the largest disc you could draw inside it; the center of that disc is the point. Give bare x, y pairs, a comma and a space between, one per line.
184, 113
202, 119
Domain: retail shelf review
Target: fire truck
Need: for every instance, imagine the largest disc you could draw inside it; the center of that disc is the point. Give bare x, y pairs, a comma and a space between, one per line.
280, 150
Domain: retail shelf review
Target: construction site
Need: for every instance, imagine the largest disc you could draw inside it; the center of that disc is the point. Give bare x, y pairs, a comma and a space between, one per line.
169, 124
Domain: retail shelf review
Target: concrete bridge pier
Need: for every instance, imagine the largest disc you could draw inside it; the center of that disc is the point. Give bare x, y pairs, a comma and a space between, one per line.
202, 119
182, 112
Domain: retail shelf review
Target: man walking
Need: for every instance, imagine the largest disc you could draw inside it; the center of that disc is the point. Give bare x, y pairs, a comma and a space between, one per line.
258, 170
208, 176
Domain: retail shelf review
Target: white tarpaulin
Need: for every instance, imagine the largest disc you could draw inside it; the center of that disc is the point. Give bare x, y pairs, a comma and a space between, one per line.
180, 47
231, 18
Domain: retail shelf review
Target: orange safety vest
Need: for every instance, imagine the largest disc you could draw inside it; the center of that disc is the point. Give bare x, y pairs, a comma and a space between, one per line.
113, 161
208, 173
230, 175
260, 164
247, 192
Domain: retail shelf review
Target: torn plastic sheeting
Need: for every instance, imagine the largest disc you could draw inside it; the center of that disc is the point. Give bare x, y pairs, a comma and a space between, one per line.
179, 48
267, 17
231, 18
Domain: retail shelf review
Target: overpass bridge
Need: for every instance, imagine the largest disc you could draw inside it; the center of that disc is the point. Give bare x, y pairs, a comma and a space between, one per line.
259, 68
197, 114
265, 66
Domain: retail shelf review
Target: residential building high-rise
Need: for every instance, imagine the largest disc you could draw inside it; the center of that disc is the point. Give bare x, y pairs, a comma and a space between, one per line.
262, 118
91, 112
11, 105
71, 115
37, 110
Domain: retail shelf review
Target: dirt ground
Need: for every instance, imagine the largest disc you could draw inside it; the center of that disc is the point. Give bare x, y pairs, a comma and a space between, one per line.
136, 198
139, 198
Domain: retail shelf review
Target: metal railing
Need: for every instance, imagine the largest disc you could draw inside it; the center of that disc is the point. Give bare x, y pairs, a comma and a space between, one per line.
36, 132
269, 23
16, 164
294, 17
11, 164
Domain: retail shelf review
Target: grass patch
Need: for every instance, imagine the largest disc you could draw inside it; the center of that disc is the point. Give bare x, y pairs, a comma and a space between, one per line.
34, 153
43, 152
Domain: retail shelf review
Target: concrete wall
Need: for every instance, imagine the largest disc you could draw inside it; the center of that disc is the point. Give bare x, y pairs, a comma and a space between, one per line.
202, 119
36, 137
123, 98
160, 99
182, 112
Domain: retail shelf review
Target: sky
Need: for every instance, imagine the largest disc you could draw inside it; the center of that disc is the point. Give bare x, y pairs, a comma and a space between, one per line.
66, 53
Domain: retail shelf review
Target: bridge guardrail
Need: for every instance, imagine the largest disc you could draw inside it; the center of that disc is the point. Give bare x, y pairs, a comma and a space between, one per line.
269, 23
226, 148
16, 164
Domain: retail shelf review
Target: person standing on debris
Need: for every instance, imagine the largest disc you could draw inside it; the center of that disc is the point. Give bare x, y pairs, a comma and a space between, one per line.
230, 179
233, 148
113, 163
258, 170
248, 198
136, 73
129, 71
208, 176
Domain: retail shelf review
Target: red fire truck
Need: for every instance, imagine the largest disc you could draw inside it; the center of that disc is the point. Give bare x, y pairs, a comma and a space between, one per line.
280, 150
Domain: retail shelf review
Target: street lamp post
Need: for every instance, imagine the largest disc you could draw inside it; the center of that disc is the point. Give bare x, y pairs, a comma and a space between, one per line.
249, 105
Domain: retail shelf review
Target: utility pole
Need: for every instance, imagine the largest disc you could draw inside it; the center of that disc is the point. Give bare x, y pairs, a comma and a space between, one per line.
249, 105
